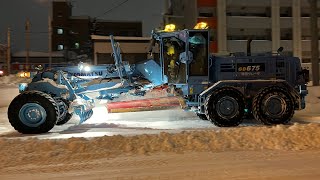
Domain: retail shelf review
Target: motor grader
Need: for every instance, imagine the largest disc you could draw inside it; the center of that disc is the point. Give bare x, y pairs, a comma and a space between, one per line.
222, 89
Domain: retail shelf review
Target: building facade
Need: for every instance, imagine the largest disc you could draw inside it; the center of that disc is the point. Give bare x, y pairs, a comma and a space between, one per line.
185, 14
3, 53
270, 23
3, 56
18, 60
72, 33
133, 49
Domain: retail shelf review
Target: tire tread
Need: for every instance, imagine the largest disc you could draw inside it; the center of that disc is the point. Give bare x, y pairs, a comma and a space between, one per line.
32, 96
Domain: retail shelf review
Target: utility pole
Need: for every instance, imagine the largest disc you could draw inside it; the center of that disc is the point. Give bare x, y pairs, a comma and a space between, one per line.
314, 42
9, 51
27, 28
50, 41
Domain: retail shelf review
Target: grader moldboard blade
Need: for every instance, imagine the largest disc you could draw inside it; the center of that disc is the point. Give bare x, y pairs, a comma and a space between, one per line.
145, 104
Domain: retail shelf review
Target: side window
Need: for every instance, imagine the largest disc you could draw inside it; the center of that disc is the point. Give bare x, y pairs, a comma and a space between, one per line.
198, 45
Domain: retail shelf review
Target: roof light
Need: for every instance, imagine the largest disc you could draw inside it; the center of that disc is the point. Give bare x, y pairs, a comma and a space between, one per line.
169, 27
201, 25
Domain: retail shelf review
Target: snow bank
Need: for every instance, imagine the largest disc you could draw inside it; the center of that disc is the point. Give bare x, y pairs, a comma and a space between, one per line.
13, 80
34, 151
313, 95
312, 102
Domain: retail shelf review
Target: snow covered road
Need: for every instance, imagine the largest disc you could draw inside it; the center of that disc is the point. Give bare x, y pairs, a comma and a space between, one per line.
103, 123
277, 152
133, 123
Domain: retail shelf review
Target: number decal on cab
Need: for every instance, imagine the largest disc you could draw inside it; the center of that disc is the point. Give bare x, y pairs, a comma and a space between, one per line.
250, 67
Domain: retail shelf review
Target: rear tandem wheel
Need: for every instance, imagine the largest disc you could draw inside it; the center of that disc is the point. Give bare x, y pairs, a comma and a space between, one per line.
225, 107
273, 105
202, 116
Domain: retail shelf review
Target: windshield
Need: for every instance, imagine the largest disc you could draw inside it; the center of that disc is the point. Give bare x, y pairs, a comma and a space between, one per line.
173, 68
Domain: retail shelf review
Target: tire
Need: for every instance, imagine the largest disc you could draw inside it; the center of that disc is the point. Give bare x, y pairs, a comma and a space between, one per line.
33, 112
65, 119
273, 105
225, 107
202, 116
67, 116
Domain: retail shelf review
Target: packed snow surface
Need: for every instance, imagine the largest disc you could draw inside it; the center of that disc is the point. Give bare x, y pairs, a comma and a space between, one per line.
200, 152
13, 80
293, 138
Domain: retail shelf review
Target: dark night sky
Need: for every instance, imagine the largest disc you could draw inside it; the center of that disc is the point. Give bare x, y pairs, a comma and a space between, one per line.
14, 13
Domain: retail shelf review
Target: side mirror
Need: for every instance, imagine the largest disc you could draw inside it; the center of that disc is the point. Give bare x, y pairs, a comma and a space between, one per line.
184, 59
280, 49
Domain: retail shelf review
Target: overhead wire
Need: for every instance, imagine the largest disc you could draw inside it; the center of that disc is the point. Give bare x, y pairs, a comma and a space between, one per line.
111, 9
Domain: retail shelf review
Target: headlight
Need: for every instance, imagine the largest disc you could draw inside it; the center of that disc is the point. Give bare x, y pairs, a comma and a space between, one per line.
87, 68
24, 74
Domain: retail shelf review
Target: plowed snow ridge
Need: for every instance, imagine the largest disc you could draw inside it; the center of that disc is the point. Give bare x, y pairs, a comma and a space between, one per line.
34, 151
13, 80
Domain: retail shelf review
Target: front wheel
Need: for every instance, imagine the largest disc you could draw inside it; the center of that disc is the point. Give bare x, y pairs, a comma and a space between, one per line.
225, 107
202, 116
273, 105
33, 112
65, 116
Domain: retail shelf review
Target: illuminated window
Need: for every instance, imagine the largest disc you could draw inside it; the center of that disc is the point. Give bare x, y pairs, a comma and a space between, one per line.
60, 47
76, 45
59, 31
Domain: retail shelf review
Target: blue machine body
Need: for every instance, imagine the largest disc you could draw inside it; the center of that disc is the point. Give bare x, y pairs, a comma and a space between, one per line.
71, 83
185, 67
195, 74
189, 70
